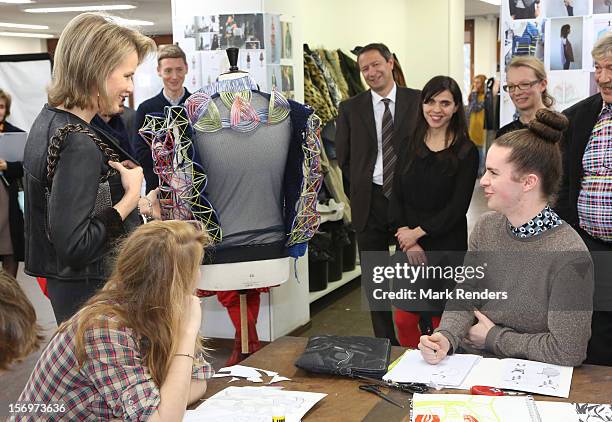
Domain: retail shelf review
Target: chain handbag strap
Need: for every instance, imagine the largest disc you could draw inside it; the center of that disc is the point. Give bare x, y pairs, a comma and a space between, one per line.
55, 144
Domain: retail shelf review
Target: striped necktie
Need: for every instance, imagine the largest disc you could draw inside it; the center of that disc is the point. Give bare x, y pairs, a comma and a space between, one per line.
389, 156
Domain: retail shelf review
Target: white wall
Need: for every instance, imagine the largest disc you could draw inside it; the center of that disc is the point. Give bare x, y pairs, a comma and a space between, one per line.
485, 45
16, 45
426, 36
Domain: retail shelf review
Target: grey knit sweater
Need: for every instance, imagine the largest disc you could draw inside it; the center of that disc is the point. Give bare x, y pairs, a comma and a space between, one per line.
548, 281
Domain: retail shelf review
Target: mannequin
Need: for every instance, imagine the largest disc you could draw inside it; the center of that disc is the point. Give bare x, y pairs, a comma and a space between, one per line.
260, 156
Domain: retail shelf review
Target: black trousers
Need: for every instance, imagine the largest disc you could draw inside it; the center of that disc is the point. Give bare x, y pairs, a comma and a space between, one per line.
600, 345
67, 297
377, 236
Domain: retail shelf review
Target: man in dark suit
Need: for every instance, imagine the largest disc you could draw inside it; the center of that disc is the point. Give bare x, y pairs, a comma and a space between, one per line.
372, 129
172, 68
585, 197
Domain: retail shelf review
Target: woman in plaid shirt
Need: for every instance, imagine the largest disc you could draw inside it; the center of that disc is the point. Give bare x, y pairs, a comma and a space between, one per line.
133, 352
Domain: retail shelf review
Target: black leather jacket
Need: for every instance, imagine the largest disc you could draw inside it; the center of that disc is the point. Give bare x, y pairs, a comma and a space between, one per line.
78, 243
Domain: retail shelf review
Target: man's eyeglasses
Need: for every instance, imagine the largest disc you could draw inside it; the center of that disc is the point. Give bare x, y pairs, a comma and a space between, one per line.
523, 86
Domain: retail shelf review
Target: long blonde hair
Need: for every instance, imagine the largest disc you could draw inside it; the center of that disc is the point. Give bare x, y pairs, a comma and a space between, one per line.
156, 267
90, 47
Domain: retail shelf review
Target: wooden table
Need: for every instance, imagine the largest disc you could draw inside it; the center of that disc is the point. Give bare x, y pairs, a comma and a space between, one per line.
345, 402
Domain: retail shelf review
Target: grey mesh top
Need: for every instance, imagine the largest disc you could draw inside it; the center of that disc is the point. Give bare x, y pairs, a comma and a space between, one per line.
245, 178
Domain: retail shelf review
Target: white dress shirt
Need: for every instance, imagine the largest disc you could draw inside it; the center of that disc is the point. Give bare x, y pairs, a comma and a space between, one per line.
379, 110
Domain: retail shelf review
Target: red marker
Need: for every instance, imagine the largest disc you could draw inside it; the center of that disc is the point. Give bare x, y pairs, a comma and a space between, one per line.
484, 390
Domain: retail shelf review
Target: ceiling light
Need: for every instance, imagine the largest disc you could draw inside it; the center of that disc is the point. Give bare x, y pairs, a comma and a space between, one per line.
16, 1
22, 26
131, 22
25, 35
82, 8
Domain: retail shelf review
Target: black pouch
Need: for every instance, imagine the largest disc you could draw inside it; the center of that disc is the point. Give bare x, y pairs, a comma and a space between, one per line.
349, 356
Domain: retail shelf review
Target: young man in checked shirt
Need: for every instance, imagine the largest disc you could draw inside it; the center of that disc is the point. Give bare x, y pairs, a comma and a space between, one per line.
133, 352
585, 197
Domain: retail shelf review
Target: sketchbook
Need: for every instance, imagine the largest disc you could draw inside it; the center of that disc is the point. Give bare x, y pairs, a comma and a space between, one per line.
462, 371
521, 375
463, 407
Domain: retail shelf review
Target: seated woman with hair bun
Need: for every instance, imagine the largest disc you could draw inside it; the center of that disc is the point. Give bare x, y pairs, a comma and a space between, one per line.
533, 258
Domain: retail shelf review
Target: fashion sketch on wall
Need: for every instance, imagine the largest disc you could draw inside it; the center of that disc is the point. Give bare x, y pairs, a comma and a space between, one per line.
568, 87
272, 31
565, 43
602, 6
287, 40
566, 8
524, 9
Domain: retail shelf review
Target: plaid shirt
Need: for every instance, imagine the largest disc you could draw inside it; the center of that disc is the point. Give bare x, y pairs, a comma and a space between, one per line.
112, 383
595, 198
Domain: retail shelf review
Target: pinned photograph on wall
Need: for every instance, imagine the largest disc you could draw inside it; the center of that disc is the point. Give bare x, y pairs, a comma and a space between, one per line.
205, 31
275, 77
287, 85
601, 26
242, 31
565, 43
272, 29
524, 9
568, 87
524, 38
566, 8
602, 6
287, 40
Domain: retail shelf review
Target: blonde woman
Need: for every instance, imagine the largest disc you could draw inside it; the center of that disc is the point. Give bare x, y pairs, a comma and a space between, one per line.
72, 215
526, 83
475, 116
133, 351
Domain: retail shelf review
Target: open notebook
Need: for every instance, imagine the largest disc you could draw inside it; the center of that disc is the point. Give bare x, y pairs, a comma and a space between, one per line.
464, 371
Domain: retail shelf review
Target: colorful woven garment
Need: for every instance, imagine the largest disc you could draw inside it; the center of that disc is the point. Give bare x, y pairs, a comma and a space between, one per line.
182, 181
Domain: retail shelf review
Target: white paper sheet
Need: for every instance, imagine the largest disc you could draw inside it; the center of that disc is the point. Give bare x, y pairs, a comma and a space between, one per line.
241, 371
557, 412
450, 372
12, 145
254, 404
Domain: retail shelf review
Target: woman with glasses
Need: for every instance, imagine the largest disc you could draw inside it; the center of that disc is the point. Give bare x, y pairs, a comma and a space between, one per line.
526, 83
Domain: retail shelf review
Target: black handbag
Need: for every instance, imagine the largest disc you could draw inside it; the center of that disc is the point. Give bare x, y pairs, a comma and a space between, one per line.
350, 356
103, 197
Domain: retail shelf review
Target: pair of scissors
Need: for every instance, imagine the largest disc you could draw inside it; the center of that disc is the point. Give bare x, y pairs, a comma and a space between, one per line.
375, 389
406, 387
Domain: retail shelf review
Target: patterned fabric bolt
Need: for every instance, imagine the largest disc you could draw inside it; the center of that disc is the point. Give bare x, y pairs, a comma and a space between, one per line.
389, 156
595, 199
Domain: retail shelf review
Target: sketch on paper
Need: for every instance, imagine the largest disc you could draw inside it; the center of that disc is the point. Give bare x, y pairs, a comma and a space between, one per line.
568, 87
254, 404
534, 376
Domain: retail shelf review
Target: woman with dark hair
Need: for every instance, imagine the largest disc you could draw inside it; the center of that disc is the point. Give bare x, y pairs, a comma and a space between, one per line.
433, 184
533, 258
11, 217
567, 53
